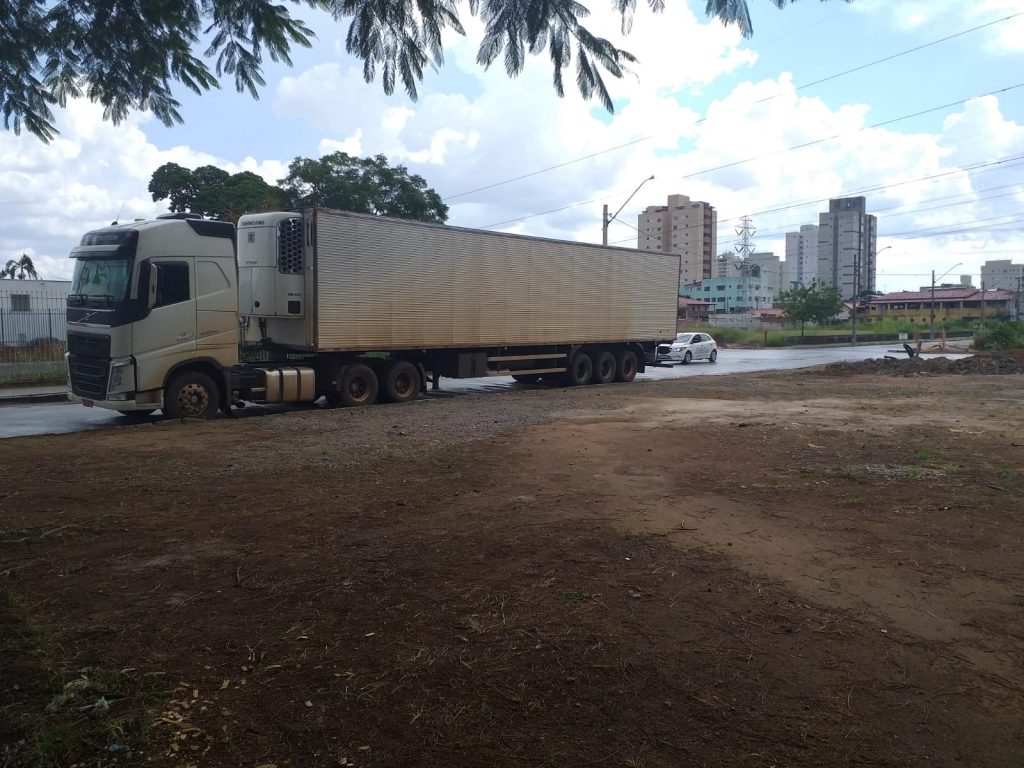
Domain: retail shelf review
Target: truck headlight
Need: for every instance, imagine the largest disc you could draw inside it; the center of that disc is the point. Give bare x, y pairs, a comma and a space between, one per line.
122, 378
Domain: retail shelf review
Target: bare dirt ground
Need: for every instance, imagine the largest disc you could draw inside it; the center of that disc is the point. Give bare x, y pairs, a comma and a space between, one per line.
812, 568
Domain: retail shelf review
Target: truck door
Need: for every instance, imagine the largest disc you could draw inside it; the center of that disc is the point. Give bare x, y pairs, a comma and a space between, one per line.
167, 335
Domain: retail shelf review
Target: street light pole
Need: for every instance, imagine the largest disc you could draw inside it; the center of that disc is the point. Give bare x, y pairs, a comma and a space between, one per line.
931, 318
606, 219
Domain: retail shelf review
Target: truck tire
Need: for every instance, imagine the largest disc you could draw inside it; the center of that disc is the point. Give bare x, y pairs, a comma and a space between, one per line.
357, 385
401, 382
604, 367
581, 368
625, 365
191, 395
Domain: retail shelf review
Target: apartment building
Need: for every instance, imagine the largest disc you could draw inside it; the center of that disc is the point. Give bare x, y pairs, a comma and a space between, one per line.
847, 246
685, 227
801, 256
1003, 274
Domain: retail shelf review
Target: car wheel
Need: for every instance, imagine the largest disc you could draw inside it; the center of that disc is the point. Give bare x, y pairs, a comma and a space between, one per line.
687, 358
713, 356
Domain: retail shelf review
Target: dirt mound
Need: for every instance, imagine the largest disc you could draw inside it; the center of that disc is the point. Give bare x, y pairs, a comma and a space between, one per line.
914, 366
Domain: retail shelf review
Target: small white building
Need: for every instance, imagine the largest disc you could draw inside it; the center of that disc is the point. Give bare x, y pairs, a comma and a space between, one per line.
32, 311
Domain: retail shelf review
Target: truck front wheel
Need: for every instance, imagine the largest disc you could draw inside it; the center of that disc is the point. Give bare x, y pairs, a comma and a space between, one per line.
191, 395
358, 385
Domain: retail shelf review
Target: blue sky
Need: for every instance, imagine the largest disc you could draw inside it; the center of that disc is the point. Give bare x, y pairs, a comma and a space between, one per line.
701, 98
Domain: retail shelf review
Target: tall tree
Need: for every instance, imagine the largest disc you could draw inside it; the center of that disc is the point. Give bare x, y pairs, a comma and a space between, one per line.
19, 269
128, 55
815, 303
214, 192
362, 185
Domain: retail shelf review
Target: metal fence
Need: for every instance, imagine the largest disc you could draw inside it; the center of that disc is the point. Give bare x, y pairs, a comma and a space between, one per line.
33, 335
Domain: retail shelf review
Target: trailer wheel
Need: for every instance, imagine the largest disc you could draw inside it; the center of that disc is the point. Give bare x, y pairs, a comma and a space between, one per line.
401, 382
357, 385
625, 365
191, 395
581, 368
527, 378
604, 367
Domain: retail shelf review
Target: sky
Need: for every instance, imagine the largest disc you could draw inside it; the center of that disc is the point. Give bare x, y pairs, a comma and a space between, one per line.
826, 99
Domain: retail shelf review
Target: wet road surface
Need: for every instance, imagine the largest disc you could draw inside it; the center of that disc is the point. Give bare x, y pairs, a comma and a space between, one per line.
56, 418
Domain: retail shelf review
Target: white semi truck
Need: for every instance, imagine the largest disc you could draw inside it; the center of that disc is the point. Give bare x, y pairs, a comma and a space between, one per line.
193, 316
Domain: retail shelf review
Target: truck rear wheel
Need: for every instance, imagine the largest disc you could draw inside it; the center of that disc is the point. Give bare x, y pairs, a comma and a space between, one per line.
191, 395
625, 366
401, 382
357, 386
604, 367
581, 368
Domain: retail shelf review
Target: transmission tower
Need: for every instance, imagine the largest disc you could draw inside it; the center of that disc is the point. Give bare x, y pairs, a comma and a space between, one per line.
745, 247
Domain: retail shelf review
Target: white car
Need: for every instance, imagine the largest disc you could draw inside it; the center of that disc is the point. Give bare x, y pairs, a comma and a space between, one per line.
687, 347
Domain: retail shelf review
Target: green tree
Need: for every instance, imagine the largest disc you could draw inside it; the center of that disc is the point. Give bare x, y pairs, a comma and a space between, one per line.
815, 303
19, 269
128, 55
362, 185
214, 192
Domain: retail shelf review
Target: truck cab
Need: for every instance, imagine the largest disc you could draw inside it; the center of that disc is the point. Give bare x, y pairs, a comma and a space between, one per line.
152, 302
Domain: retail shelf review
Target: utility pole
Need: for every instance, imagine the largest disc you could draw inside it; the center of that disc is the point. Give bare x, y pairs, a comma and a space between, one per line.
856, 276
931, 320
606, 219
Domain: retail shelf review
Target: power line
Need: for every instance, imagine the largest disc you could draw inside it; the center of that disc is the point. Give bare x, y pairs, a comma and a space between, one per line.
851, 133
805, 203
768, 98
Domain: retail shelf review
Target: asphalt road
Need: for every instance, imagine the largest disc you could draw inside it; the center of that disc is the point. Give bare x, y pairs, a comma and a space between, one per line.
56, 418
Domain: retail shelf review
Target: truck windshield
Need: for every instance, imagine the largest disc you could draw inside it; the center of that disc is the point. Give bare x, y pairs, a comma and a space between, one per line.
99, 281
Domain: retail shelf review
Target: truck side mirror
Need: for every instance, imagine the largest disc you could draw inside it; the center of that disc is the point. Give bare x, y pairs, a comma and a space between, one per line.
151, 297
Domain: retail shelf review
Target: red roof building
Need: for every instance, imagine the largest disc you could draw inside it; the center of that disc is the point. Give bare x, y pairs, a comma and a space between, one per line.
949, 304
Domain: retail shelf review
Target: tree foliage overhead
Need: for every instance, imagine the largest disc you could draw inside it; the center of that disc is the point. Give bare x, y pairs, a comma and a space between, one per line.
19, 269
128, 54
815, 303
362, 185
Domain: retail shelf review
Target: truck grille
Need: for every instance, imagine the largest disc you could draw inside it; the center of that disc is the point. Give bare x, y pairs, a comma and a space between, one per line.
664, 349
89, 345
89, 376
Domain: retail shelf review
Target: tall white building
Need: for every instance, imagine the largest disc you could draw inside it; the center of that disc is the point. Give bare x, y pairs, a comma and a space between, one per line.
801, 256
769, 269
1003, 274
847, 237
683, 226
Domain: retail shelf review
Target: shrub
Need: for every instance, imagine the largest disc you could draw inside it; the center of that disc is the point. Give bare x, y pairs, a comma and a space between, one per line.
1001, 336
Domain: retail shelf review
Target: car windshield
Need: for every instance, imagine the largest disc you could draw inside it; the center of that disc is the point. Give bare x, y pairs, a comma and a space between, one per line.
99, 280
684, 338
